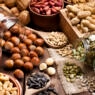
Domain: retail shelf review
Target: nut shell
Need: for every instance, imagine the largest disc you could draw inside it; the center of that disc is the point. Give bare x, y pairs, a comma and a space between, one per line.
19, 74
15, 40
32, 36
32, 47
15, 50
26, 58
33, 54
39, 42
22, 46
24, 52
16, 56
28, 41
7, 35
35, 61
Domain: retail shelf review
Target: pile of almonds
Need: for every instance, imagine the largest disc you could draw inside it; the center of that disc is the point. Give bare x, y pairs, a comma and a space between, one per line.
46, 7
25, 48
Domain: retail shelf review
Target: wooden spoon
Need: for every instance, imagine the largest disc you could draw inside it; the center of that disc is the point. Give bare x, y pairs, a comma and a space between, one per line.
45, 36
32, 91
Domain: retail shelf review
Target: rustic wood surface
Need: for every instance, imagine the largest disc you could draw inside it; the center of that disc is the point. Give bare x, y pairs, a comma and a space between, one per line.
55, 79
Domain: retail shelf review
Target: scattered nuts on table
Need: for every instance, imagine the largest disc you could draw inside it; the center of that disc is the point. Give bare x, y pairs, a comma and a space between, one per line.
71, 71
57, 39
65, 51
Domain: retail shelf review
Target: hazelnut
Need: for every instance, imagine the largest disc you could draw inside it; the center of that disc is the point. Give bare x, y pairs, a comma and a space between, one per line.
24, 52
28, 32
22, 37
9, 63
16, 56
22, 46
35, 61
15, 50
18, 63
2, 42
7, 35
15, 40
32, 47
28, 66
39, 42
40, 51
19, 74
33, 54
26, 58
28, 41
15, 29
32, 36
8, 45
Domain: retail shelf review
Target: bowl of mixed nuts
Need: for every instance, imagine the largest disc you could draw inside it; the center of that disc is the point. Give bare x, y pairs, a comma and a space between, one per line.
9, 85
45, 13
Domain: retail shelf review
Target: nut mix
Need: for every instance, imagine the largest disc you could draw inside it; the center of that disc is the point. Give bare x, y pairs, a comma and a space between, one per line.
6, 86
57, 39
46, 7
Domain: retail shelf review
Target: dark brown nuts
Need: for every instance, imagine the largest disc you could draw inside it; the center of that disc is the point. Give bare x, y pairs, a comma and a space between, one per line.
15, 40
28, 66
9, 63
40, 51
35, 61
39, 42
18, 63
26, 58
16, 56
33, 54
19, 74
8, 45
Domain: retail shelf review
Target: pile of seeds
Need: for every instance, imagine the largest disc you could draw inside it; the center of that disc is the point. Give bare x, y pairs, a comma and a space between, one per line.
71, 71
57, 39
37, 81
65, 51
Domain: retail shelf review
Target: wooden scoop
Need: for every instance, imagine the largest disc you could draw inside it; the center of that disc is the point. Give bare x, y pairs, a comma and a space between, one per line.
32, 91
45, 36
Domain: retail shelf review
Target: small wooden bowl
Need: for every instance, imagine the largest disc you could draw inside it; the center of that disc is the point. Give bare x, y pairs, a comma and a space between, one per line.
15, 83
45, 22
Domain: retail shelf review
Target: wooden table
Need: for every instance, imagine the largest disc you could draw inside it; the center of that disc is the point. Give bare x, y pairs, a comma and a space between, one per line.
55, 79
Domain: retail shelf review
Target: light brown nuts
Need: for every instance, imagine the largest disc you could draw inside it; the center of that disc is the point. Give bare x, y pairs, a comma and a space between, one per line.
32, 36
9, 63
16, 56
43, 66
19, 74
35, 61
2, 42
32, 47
39, 42
33, 54
22, 46
49, 61
26, 58
15, 40
22, 37
18, 63
8, 45
28, 32
15, 29
28, 41
15, 50
7, 35
28, 66
24, 52
40, 51
51, 71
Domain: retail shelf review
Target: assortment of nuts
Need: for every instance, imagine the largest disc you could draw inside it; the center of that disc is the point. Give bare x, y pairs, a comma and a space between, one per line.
57, 39
65, 51
82, 16
46, 7
71, 71
37, 81
25, 48
6, 86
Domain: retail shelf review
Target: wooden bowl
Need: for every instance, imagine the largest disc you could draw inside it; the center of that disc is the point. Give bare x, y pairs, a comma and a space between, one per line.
15, 83
45, 22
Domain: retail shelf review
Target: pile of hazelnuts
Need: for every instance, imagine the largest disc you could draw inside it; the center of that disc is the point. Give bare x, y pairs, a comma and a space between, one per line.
25, 48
